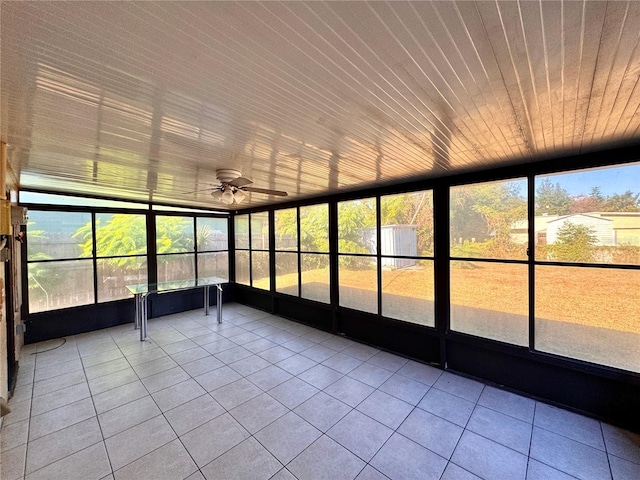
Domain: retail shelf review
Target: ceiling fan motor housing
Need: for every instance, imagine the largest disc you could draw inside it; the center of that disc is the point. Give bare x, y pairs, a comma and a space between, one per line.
226, 175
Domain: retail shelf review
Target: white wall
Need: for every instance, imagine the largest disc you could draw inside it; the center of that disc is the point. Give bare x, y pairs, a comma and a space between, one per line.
601, 227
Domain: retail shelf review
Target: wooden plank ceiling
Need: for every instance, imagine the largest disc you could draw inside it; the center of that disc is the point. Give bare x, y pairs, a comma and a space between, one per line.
145, 100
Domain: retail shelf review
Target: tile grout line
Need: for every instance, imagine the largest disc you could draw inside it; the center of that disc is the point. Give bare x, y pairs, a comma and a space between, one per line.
29, 431
178, 437
199, 469
104, 440
26, 450
606, 450
288, 410
366, 463
464, 428
133, 426
533, 420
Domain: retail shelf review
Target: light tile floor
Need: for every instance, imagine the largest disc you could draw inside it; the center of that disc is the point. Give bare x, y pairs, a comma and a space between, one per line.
260, 397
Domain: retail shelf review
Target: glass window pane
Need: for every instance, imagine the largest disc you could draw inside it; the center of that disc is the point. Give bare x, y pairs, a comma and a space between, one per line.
174, 235
590, 314
242, 267
55, 199
176, 267
407, 224
314, 228
286, 224
260, 270
260, 231
213, 265
407, 293
287, 273
490, 300
590, 216
54, 285
357, 226
358, 283
241, 231
315, 277
120, 234
489, 220
212, 234
58, 235
114, 274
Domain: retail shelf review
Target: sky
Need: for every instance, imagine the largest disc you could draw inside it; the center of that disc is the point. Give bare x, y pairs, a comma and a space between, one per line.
610, 180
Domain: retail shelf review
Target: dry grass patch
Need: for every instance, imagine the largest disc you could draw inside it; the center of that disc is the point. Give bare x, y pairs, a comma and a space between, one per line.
598, 297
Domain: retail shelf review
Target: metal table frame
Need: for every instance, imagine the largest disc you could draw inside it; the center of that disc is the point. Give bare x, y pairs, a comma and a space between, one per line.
141, 294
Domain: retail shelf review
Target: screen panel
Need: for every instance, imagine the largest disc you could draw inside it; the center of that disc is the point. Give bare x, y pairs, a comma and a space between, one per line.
589, 313
490, 300
358, 282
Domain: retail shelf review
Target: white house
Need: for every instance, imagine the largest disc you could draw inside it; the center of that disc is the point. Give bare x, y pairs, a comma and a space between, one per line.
610, 228
602, 228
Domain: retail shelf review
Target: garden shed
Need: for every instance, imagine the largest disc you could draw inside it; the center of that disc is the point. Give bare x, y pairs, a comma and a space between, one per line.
399, 240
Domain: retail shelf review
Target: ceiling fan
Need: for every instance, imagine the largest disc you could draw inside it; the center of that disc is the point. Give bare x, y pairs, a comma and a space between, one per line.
233, 186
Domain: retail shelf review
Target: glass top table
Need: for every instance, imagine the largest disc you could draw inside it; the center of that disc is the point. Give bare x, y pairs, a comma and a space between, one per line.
142, 291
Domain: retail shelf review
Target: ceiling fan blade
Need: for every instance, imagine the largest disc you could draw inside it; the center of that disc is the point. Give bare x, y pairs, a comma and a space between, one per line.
278, 193
240, 182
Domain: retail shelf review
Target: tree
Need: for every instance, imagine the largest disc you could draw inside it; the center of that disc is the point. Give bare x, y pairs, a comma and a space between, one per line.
625, 202
35, 239
587, 203
259, 230
43, 279
286, 226
123, 238
596, 202
500, 223
552, 199
575, 243
122, 235
485, 214
174, 234
314, 228
466, 222
411, 209
210, 238
354, 218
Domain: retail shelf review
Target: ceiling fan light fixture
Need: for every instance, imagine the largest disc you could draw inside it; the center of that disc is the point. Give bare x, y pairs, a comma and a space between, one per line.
217, 194
233, 187
239, 196
227, 197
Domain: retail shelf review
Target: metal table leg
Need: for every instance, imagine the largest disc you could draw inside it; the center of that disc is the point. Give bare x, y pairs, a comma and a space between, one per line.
136, 301
143, 316
206, 299
219, 302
